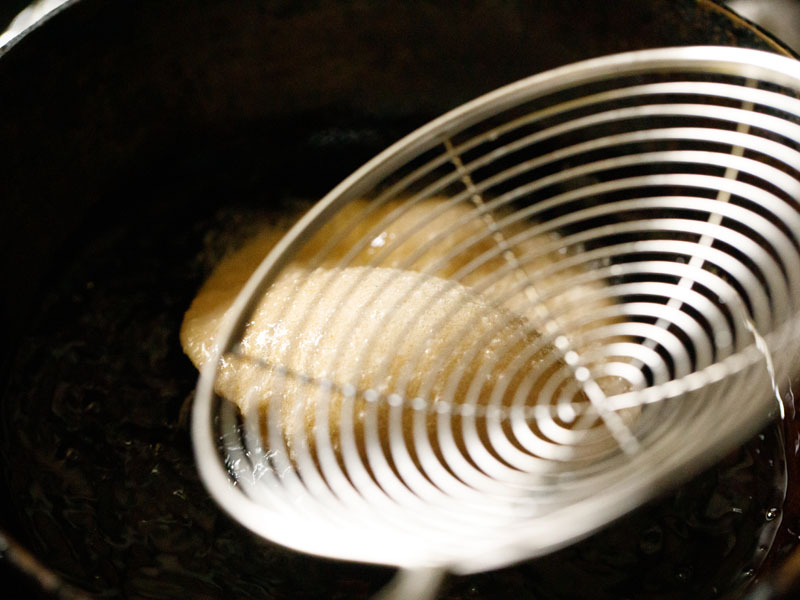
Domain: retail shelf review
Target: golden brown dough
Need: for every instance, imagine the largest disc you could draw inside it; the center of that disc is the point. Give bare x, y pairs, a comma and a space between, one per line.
329, 325
323, 320
417, 240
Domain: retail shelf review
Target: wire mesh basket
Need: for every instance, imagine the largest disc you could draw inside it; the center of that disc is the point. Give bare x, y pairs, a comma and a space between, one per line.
521, 321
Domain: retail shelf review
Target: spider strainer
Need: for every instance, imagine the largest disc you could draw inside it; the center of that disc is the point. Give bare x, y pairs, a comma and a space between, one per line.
521, 321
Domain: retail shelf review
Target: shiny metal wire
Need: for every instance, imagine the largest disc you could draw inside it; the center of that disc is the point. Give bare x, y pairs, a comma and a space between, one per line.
608, 304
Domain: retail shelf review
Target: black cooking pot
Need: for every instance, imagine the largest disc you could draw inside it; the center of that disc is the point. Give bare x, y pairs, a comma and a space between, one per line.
139, 134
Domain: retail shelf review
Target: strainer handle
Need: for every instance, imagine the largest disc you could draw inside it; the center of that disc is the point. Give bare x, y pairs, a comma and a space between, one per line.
420, 584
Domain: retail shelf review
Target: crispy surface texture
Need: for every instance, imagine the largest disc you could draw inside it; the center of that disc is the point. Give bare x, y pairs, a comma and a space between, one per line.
377, 304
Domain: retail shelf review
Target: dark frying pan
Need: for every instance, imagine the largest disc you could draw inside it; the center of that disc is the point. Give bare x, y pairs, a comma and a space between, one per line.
138, 136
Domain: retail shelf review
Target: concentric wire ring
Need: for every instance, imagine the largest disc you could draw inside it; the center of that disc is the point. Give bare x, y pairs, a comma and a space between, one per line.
521, 321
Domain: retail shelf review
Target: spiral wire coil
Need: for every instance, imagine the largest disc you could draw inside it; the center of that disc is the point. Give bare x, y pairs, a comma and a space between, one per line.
523, 320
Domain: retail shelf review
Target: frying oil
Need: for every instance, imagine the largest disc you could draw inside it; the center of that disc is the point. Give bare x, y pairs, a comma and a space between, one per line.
101, 483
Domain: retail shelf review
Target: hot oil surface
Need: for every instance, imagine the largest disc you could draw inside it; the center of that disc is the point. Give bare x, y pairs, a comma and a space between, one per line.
101, 481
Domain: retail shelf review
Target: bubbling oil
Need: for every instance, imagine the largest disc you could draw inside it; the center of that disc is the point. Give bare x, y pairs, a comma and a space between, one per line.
98, 476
